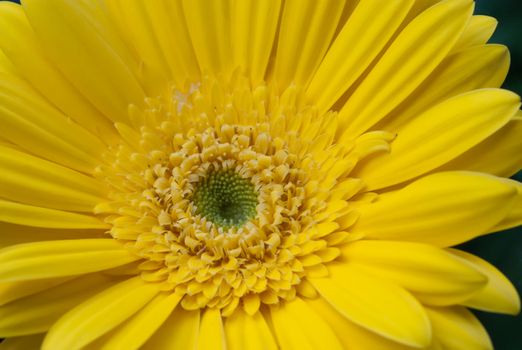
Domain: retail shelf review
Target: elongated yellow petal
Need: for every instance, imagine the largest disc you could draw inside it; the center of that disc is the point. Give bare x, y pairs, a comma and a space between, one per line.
168, 22
209, 27
28, 179
352, 336
97, 14
211, 332
6, 67
37, 313
144, 27
61, 258
433, 275
136, 331
288, 333
439, 135
348, 9
375, 304
114, 30
16, 234
29, 215
500, 154
10, 291
442, 209
483, 66
29, 342
305, 32
254, 24
478, 31
180, 331
32, 124
499, 295
418, 49
419, 7
84, 56
514, 215
245, 332
18, 42
355, 47
144, 38
458, 329
297, 326
99, 314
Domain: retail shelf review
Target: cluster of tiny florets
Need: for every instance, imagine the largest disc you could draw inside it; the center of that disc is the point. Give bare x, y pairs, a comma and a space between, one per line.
225, 198
224, 201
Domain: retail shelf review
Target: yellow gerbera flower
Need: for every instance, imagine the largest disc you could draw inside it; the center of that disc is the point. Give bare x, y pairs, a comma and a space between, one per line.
252, 174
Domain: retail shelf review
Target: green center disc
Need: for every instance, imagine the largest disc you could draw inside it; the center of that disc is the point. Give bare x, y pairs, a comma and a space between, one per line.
226, 199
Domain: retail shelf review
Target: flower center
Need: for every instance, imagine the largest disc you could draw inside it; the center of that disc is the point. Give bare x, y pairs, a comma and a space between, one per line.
226, 199
233, 195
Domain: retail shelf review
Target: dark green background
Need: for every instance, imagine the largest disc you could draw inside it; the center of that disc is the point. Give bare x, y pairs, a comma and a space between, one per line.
504, 250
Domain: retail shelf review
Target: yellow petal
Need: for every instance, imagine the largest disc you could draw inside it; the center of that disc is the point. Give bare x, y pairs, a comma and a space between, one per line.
458, 329
32, 124
136, 331
61, 258
211, 332
348, 9
180, 331
141, 31
71, 39
298, 326
31, 180
114, 31
30, 342
352, 336
375, 304
245, 332
208, 23
355, 47
37, 313
420, 6
439, 135
251, 303
514, 215
16, 234
10, 291
6, 67
99, 314
500, 154
29, 215
473, 68
19, 42
97, 14
499, 295
418, 49
443, 209
433, 275
478, 31
168, 22
254, 24
305, 32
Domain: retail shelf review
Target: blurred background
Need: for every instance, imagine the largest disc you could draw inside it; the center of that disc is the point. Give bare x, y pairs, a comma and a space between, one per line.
504, 250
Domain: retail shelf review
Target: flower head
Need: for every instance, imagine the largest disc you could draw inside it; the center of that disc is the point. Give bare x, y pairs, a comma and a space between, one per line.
252, 174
